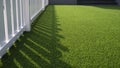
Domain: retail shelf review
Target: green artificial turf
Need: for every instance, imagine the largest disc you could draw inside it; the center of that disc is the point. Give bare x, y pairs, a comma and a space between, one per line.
69, 36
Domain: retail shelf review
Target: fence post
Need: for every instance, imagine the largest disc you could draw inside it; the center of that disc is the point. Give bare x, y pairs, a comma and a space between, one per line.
27, 15
43, 4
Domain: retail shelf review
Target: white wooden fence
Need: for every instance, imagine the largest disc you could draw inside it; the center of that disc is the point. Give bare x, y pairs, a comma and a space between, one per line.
15, 18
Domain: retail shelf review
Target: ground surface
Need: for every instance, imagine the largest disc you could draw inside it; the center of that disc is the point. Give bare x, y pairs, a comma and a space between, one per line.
69, 37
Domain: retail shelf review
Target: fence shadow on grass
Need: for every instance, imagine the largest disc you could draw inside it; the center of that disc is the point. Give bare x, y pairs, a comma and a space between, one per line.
40, 48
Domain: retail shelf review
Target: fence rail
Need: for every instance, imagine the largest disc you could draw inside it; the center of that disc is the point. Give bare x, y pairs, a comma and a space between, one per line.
15, 18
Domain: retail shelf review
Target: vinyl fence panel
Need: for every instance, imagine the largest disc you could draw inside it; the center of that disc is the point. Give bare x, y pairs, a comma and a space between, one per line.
15, 18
